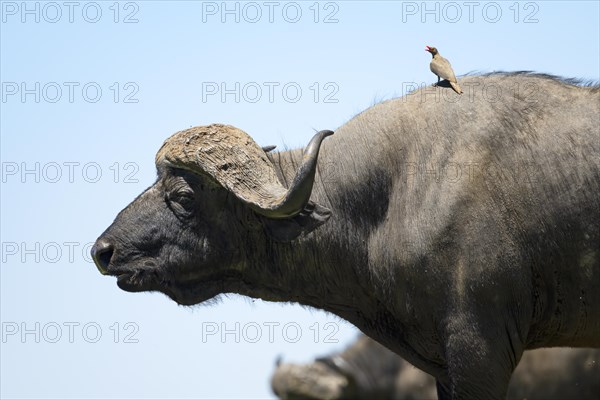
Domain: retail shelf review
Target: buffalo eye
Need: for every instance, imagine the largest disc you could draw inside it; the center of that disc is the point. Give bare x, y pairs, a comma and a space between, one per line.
181, 199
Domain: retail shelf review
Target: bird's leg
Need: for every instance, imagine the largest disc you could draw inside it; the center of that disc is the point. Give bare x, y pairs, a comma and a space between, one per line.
437, 83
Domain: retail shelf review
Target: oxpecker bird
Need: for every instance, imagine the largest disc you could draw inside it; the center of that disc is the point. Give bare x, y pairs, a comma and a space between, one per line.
442, 68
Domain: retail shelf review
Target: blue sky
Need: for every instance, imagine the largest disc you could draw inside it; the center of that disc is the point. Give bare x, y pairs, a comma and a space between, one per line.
90, 91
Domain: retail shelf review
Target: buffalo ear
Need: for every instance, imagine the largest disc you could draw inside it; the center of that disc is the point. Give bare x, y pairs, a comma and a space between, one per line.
288, 229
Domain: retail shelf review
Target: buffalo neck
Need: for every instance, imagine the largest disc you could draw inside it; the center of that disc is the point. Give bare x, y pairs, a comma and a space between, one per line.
322, 269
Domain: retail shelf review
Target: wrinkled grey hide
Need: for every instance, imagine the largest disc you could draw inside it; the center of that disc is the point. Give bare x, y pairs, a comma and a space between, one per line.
367, 370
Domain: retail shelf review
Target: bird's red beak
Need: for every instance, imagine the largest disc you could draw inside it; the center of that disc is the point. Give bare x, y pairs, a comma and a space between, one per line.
427, 48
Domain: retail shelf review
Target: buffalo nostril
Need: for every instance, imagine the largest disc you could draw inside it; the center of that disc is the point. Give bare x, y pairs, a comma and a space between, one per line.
102, 252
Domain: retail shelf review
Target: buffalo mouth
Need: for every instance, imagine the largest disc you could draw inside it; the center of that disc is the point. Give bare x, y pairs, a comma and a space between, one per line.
129, 282
146, 281
189, 292
136, 280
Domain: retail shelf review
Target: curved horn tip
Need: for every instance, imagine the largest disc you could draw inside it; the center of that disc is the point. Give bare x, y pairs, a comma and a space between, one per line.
299, 192
320, 136
315, 143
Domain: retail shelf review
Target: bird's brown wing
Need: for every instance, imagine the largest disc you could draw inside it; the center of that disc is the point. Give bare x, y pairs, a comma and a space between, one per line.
442, 68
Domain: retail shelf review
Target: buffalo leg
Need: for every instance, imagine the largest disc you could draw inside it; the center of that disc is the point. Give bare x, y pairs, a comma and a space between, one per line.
480, 361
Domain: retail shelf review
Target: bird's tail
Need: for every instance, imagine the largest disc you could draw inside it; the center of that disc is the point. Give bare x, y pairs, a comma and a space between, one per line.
456, 88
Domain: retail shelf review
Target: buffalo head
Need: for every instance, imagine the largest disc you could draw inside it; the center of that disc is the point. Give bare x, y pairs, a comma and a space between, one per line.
216, 203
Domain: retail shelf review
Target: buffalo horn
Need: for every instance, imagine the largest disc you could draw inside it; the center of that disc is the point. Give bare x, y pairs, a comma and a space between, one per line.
231, 157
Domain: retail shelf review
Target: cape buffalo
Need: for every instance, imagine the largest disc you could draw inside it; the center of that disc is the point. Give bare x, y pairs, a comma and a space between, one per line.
457, 231
367, 370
